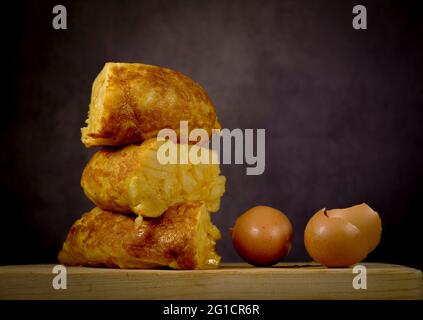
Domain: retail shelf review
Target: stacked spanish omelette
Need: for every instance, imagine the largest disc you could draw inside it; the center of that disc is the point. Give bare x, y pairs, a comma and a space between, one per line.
147, 214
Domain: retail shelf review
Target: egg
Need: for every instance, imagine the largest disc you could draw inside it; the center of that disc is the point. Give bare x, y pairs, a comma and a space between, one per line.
342, 237
262, 236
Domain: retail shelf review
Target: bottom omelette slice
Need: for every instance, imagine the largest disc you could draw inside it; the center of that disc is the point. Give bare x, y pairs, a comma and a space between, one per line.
182, 238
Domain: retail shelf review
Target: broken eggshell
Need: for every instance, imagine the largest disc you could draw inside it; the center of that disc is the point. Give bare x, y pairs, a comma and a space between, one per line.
342, 237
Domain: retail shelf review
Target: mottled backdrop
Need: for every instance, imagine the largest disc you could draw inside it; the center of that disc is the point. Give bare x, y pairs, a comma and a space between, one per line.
343, 109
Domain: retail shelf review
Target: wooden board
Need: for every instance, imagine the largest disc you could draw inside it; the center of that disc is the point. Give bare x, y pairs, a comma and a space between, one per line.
231, 281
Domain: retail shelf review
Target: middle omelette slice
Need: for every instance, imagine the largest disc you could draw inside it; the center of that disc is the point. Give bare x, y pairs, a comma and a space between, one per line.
132, 179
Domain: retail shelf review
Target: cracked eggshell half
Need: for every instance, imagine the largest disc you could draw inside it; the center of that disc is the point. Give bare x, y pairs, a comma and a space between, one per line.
342, 237
365, 219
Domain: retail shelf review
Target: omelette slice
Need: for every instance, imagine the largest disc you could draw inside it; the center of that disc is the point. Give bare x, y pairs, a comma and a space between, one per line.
132, 179
132, 102
182, 238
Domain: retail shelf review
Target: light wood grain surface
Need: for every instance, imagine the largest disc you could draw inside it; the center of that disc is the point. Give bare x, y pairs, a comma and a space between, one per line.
231, 281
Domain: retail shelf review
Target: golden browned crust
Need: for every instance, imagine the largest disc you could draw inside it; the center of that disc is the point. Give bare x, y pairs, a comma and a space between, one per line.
131, 179
182, 238
131, 102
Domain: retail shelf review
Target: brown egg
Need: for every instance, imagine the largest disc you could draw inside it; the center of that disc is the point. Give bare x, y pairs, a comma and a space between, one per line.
262, 236
342, 237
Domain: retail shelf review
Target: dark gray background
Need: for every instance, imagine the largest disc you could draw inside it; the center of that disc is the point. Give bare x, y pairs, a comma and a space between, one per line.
342, 108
